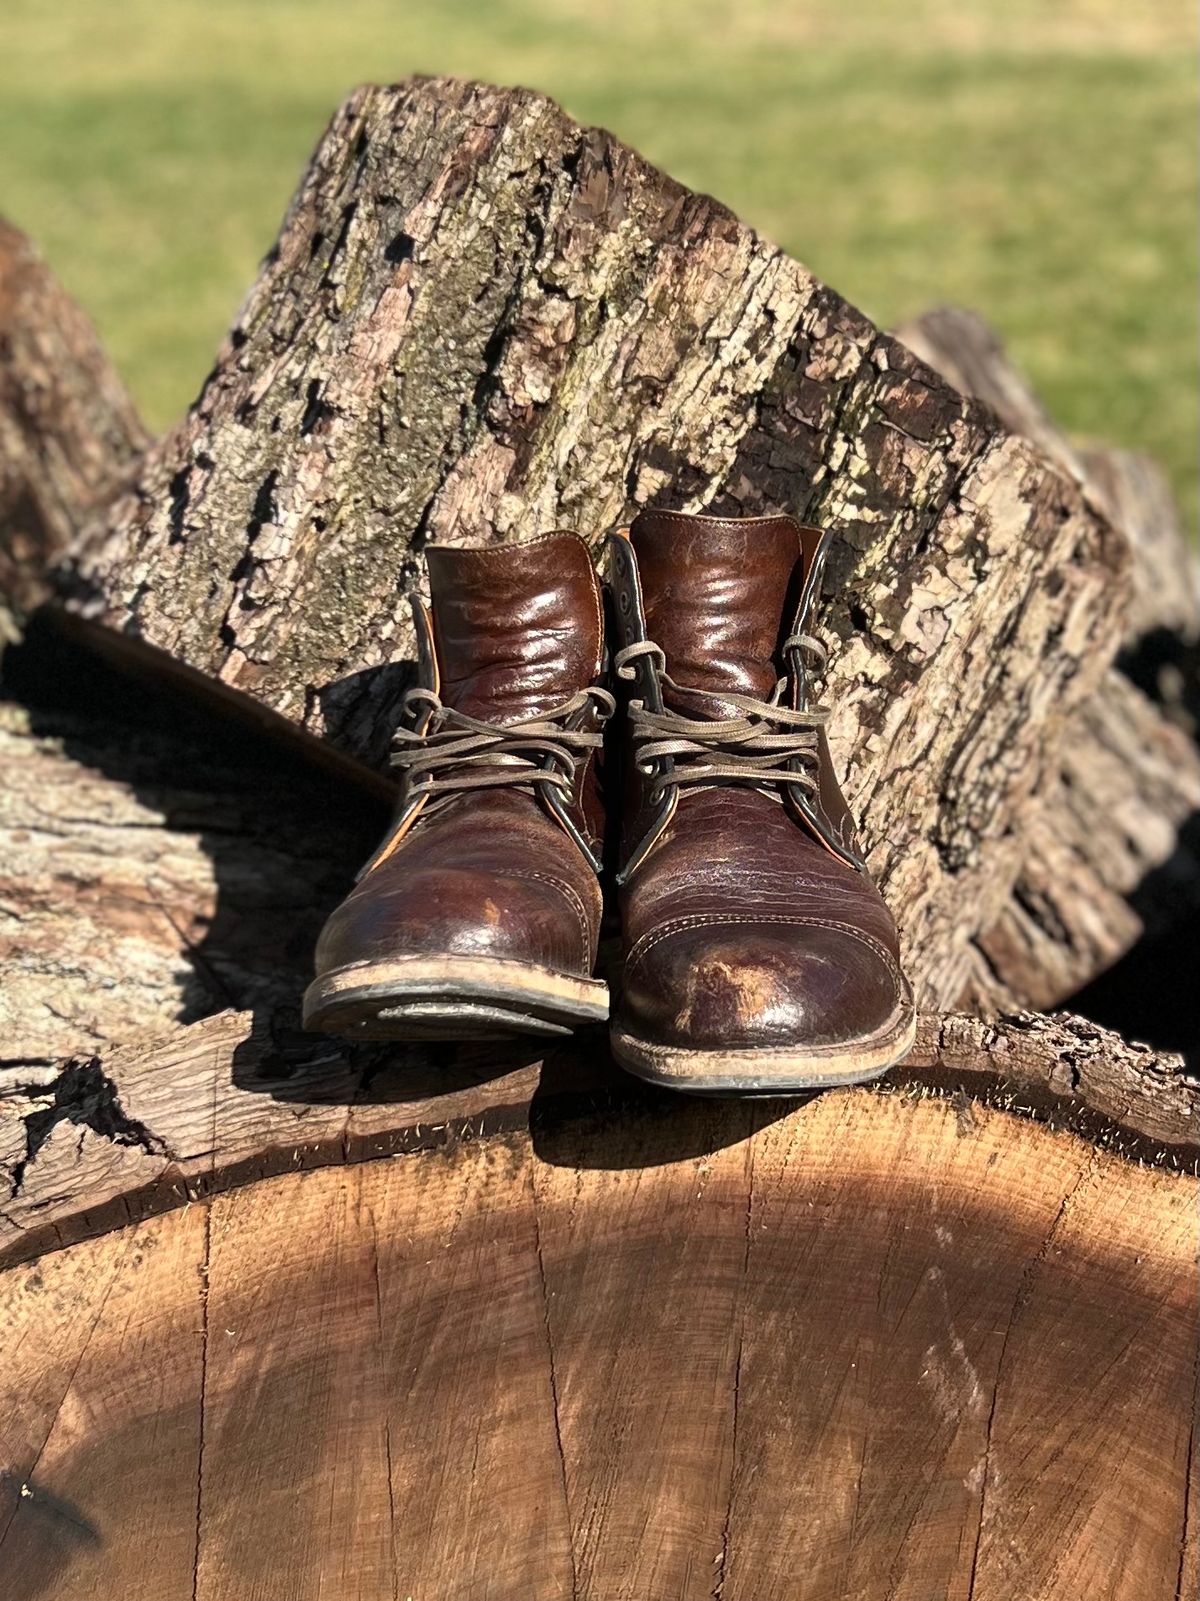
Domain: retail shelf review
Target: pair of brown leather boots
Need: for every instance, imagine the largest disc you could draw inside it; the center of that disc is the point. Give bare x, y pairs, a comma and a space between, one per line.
758, 956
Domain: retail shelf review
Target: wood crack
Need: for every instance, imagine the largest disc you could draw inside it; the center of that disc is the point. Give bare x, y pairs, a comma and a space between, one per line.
83, 1094
30, 1478
205, 1271
554, 1392
727, 1525
1019, 1300
387, 1420
1191, 1488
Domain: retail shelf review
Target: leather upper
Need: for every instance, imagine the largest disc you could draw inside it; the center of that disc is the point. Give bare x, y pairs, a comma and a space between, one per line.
517, 630
491, 875
750, 920
718, 630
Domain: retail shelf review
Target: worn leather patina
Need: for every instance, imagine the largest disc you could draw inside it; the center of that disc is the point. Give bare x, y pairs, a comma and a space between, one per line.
750, 923
496, 846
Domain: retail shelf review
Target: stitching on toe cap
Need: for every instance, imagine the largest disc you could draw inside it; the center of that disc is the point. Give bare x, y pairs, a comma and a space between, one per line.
732, 919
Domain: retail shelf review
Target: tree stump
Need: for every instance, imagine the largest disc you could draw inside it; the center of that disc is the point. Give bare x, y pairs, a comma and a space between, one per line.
615, 1347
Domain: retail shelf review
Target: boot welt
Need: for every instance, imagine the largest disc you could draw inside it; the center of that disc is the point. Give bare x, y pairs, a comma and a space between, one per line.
451, 998
773, 1069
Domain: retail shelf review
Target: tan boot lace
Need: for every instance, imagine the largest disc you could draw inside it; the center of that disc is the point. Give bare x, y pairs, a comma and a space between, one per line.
769, 743
447, 752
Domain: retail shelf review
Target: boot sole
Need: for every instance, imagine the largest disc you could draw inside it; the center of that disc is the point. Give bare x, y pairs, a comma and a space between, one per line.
451, 998
774, 1070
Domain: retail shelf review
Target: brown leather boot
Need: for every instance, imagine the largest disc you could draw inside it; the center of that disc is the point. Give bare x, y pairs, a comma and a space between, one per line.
759, 957
479, 914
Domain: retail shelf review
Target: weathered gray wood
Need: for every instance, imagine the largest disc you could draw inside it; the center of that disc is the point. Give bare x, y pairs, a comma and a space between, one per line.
69, 434
482, 320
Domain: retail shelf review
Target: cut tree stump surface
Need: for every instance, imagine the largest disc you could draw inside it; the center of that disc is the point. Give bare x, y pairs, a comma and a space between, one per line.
870, 1347
223, 1103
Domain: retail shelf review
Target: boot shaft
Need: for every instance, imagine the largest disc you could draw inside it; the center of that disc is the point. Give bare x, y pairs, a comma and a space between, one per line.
727, 601
512, 630
719, 595
513, 641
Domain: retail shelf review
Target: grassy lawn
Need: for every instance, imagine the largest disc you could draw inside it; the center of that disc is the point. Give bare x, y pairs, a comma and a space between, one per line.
1034, 160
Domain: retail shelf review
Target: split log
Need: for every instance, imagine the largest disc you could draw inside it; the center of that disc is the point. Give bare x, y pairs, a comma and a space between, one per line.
230, 1100
69, 434
1112, 859
152, 866
482, 320
1112, 849
866, 1346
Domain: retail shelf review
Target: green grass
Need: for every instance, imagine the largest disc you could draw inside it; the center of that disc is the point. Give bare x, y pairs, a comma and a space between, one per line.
1034, 161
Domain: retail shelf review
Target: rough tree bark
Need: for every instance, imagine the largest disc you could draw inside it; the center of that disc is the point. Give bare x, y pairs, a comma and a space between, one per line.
69, 434
481, 320
1112, 848
1162, 621
1112, 856
1165, 575
153, 866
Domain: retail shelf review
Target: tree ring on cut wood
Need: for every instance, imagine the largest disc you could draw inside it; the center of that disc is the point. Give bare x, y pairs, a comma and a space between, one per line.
632, 1351
227, 1101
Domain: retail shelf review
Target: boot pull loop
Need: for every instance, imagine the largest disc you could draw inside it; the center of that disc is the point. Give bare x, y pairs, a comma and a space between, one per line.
429, 671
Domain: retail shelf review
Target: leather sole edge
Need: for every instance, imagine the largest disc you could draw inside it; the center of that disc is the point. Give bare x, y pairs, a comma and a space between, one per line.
451, 998
771, 1070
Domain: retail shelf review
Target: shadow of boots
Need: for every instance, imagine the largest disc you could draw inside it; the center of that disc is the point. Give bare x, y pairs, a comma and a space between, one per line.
588, 1113
244, 846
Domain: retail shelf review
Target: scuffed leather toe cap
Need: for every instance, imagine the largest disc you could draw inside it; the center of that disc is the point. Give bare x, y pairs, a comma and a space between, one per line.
744, 984
516, 915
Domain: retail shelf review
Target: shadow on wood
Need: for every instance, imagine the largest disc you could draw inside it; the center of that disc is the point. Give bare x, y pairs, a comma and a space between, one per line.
159, 862
823, 1359
235, 1099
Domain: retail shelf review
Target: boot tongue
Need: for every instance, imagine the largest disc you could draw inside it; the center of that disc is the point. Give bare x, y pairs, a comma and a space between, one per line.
719, 596
517, 628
